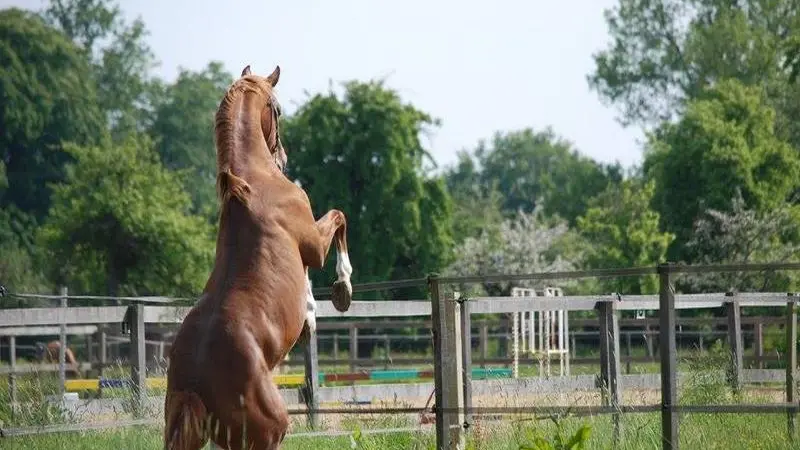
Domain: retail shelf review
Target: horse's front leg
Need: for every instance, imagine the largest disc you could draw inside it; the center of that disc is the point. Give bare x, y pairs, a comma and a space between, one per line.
333, 227
311, 305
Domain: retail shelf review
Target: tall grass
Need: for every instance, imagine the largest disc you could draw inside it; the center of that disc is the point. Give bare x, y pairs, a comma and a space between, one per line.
706, 384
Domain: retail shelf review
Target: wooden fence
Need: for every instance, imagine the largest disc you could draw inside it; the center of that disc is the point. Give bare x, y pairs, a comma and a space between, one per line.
450, 317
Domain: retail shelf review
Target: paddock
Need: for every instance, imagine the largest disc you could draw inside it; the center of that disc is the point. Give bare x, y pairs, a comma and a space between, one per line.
450, 315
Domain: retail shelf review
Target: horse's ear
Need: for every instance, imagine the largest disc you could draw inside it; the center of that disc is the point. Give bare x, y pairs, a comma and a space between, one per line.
246, 70
274, 76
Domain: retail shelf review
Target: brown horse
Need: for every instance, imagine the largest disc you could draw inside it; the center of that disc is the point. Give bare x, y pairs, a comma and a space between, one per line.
48, 353
257, 300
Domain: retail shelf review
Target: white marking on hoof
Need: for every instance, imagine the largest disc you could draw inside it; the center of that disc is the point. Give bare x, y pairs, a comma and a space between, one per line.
344, 270
311, 305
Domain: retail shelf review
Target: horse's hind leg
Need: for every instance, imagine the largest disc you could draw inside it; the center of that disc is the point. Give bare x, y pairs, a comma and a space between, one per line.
267, 419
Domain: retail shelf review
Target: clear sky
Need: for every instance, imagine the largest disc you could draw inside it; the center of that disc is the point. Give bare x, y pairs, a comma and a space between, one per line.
479, 66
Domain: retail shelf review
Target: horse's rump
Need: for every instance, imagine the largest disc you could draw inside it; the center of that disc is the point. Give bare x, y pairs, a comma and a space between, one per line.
186, 427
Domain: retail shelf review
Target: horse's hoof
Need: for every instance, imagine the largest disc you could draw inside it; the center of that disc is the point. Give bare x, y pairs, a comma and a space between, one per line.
342, 295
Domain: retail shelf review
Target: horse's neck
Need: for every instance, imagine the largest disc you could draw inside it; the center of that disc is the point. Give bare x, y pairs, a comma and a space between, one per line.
245, 145
237, 240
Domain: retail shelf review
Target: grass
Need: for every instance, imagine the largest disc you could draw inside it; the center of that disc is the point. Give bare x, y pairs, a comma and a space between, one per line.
639, 431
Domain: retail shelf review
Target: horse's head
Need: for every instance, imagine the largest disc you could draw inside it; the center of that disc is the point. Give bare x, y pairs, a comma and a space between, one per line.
249, 110
40, 351
270, 113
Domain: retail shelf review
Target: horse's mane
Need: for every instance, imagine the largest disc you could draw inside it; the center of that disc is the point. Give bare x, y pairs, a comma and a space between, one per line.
229, 185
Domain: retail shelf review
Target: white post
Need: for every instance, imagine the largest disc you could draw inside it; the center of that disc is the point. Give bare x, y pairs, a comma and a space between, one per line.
515, 344
561, 342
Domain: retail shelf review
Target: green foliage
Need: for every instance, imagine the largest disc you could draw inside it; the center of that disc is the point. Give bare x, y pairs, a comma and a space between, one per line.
706, 383
725, 141
477, 208
184, 130
530, 167
664, 53
18, 269
559, 441
120, 224
44, 101
120, 68
362, 154
620, 230
745, 235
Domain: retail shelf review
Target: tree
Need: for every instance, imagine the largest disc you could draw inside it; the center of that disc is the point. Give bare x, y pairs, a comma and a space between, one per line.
18, 268
745, 235
184, 132
725, 141
120, 225
477, 208
526, 243
529, 167
120, 68
664, 53
362, 154
44, 101
620, 230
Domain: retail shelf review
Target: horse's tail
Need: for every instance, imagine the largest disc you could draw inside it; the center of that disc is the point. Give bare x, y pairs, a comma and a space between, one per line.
185, 417
232, 186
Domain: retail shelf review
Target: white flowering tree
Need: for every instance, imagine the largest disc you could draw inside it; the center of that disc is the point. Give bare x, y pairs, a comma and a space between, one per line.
745, 235
525, 243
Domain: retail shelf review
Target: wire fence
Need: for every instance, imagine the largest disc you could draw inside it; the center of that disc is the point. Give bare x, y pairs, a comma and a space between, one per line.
668, 407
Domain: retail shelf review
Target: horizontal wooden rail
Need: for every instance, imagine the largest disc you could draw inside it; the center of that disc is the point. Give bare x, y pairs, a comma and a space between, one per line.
408, 308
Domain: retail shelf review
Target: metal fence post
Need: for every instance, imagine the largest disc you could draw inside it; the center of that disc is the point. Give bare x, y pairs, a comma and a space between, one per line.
466, 359
668, 353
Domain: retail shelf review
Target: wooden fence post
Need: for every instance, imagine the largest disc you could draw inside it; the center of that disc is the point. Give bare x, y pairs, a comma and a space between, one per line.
758, 343
447, 373
311, 387
610, 360
628, 352
87, 339
12, 377
735, 341
62, 351
336, 347
387, 360
353, 347
668, 354
138, 362
791, 363
484, 343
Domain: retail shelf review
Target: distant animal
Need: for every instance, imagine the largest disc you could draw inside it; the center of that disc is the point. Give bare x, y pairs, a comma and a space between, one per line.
258, 298
48, 354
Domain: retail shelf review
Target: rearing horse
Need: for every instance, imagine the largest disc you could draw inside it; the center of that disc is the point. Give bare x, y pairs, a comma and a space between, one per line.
258, 297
